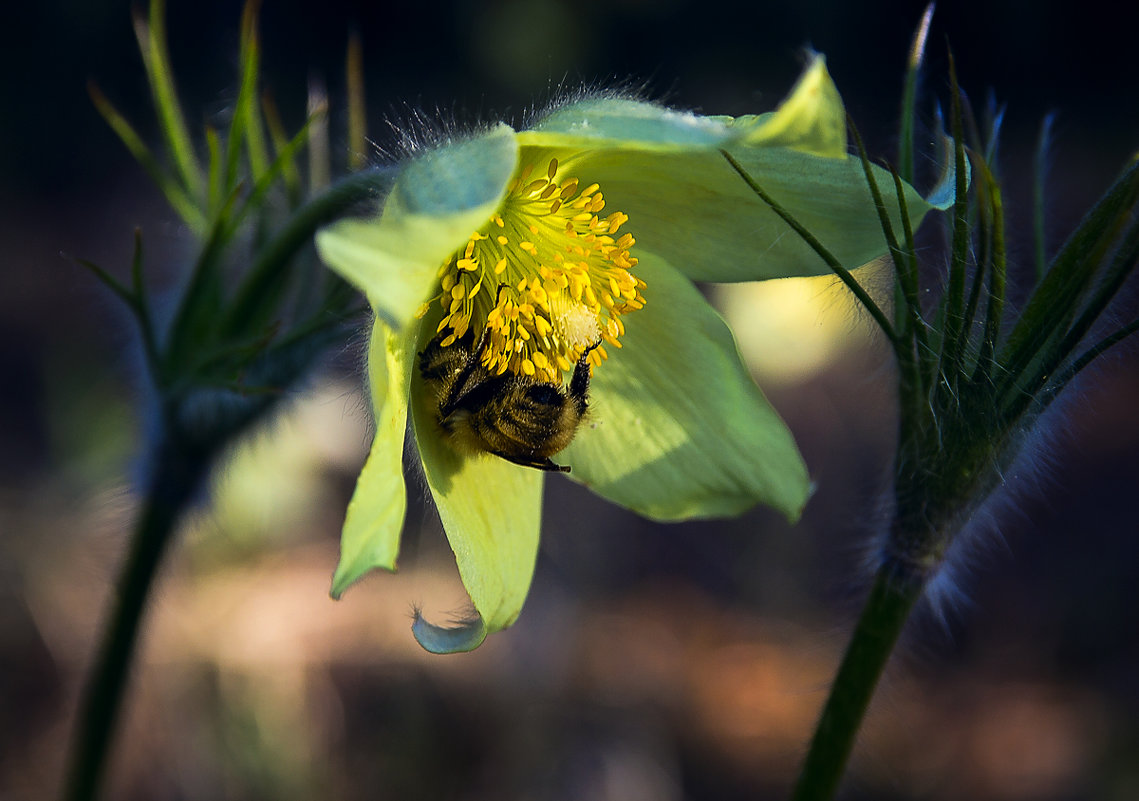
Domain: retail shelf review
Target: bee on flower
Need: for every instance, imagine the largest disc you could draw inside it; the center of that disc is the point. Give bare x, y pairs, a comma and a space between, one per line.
533, 301
564, 279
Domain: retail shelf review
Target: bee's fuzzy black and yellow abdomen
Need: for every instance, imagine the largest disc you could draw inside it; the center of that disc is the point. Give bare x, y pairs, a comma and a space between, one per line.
520, 418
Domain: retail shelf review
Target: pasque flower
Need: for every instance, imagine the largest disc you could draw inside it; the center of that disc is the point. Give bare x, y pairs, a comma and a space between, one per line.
579, 238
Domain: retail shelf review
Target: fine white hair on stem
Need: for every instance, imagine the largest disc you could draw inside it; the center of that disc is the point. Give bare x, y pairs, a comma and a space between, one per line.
983, 529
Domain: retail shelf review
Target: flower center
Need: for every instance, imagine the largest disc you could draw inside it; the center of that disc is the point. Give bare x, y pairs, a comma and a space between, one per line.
547, 278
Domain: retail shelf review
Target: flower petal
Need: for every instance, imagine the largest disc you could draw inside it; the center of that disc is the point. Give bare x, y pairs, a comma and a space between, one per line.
811, 119
624, 123
437, 201
695, 208
831, 199
375, 515
663, 168
677, 428
491, 510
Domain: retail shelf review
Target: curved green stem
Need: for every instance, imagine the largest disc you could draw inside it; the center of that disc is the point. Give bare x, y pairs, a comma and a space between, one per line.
896, 589
178, 474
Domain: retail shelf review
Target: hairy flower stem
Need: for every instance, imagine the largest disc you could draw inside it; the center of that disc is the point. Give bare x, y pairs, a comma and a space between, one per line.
179, 471
937, 483
941, 476
184, 454
896, 589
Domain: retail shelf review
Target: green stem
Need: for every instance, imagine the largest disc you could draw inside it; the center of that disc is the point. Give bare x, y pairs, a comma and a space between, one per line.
895, 591
179, 472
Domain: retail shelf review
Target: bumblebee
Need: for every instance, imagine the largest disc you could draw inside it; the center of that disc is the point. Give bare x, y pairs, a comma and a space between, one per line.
520, 418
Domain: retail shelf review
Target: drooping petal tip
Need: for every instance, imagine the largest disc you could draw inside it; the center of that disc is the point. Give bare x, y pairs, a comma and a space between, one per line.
462, 635
811, 119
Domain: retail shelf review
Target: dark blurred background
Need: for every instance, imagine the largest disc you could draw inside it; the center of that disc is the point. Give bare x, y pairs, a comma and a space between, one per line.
651, 662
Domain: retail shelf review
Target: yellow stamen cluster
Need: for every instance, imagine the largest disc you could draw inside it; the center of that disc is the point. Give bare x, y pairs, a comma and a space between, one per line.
547, 278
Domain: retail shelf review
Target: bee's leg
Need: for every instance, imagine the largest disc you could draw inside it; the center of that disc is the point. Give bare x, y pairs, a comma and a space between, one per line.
579, 383
476, 352
460, 391
498, 292
459, 388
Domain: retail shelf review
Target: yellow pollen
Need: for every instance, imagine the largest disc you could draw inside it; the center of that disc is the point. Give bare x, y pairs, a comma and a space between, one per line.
557, 279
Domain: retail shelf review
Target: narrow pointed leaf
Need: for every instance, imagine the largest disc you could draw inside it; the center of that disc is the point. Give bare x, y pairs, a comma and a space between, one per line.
176, 195
808, 239
1069, 276
1040, 174
297, 233
354, 72
280, 140
110, 282
247, 100
156, 58
909, 96
214, 192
